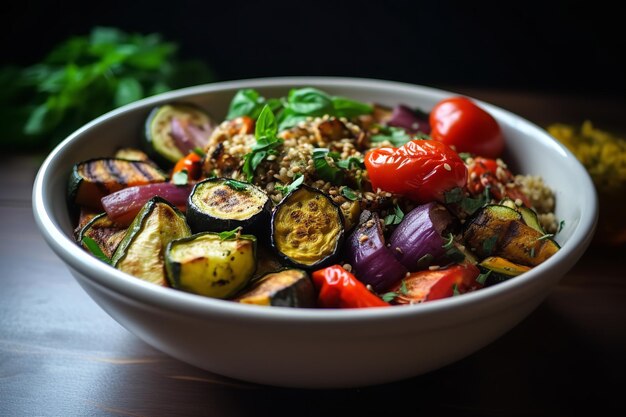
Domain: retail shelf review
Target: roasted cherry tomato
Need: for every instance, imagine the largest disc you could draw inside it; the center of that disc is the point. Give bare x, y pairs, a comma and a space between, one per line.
460, 123
483, 172
192, 163
430, 285
422, 170
338, 288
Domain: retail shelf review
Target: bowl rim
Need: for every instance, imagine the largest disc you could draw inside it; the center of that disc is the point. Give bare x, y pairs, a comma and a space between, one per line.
122, 284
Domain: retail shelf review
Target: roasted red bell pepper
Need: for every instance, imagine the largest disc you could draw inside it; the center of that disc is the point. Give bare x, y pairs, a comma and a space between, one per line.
430, 285
338, 288
192, 163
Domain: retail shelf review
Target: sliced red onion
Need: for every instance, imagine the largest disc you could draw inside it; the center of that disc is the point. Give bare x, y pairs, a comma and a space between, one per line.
122, 206
372, 261
188, 136
409, 119
419, 235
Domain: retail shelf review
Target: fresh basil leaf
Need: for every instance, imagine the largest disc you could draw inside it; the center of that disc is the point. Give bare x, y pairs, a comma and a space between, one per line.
323, 168
352, 162
395, 217
246, 102
128, 91
291, 187
266, 125
344, 107
309, 101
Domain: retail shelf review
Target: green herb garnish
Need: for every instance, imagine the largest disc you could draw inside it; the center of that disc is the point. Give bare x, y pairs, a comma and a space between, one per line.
181, 177
266, 142
324, 162
390, 296
482, 278
489, 244
425, 261
349, 193
394, 218
455, 290
230, 234
546, 236
237, 185
249, 102
467, 204
395, 135
95, 249
561, 225
452, 251
311, 102
286, 189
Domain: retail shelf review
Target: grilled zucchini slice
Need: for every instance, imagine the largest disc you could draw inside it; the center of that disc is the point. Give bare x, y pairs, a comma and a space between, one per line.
221, 204
93, 179
104, 232
307, 229
175, 129
140, 253
209, 265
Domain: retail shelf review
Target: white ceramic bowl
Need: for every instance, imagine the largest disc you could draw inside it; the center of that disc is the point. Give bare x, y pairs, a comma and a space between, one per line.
308, 347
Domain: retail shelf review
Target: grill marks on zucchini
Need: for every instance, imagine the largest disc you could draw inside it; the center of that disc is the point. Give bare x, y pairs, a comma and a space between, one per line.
307, 229
208, 265
91, 180
104, 232
141, 251
220, 204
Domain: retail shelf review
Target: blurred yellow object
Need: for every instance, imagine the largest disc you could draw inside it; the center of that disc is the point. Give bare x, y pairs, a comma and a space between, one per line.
604, 156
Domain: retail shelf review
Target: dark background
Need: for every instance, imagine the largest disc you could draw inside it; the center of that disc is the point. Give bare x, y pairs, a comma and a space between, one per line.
548, 47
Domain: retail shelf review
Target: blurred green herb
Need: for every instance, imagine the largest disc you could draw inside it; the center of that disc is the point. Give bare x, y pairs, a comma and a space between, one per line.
83, 78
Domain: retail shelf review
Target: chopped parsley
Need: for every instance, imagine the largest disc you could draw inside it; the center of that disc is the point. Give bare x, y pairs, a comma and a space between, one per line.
230, 234
489, 244
452, 251
455, 290
390, 296
349, 193
482, 278
237, 185
286, 189
395, 217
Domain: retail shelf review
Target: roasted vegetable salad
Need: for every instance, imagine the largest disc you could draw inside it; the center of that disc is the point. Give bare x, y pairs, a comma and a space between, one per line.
315, 200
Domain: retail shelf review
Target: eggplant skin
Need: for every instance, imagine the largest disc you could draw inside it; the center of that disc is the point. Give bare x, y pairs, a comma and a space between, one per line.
286, 288
499, 231
307, 229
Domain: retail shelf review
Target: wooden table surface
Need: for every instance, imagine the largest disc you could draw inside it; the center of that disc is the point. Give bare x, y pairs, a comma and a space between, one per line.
61, 355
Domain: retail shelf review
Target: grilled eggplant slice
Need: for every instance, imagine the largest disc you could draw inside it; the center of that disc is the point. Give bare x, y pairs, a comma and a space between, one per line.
286, 288
221, 204
500, 269
210, 265
497, 230
140, 253
106, 233
173, 130
91, 180
307, 229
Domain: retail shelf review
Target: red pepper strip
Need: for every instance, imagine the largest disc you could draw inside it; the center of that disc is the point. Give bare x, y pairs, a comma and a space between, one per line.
192, 163
338, 288
430, 285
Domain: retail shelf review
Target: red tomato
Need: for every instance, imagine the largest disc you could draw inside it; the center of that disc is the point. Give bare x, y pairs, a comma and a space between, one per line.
494, 174
422, 170
460, 123
432, 285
